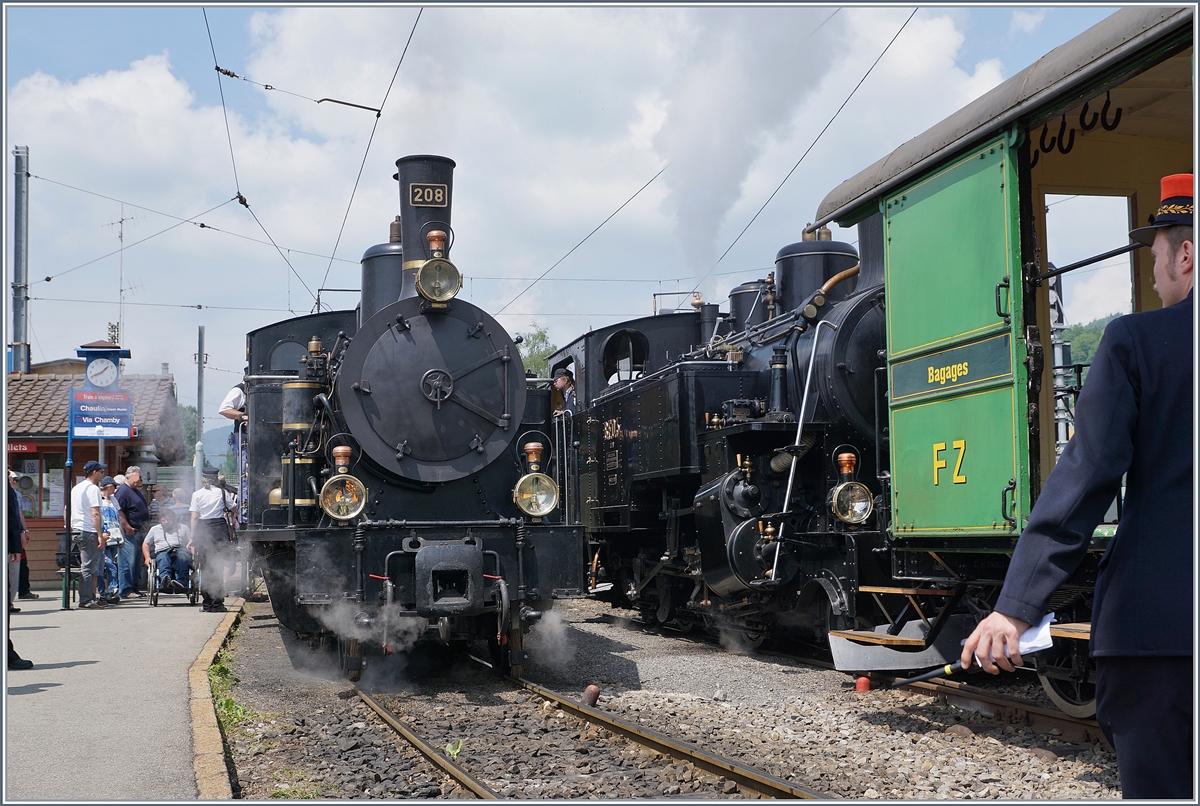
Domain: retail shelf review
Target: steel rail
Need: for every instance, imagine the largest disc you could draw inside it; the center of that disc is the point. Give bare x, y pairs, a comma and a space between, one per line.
481, 790
1010, 709
1006, 708
747, 778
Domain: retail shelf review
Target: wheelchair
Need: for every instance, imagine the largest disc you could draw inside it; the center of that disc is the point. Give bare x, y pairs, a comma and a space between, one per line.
191, 590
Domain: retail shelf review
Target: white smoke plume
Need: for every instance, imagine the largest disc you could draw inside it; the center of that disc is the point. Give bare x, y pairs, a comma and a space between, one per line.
747, 75
550, 641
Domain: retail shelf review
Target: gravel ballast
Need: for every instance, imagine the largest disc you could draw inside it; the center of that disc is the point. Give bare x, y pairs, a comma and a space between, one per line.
803, 724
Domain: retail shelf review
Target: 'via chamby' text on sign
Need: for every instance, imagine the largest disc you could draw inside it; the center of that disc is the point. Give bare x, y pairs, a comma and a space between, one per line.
101, 414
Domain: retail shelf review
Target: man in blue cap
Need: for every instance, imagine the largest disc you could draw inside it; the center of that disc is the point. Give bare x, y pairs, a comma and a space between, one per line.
1133, 419
564, 382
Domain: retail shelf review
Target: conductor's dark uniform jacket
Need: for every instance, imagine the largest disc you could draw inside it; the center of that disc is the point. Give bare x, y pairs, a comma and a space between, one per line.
1134, 416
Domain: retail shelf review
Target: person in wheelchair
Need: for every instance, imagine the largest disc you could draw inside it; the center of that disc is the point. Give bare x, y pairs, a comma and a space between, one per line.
169, 546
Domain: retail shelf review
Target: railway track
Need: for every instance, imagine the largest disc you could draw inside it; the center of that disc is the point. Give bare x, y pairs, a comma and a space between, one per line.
613, 743
990, 705
1007, 710
309, 734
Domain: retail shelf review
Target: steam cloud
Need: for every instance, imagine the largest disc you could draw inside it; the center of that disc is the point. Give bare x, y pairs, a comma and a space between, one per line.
551, 642
747, 75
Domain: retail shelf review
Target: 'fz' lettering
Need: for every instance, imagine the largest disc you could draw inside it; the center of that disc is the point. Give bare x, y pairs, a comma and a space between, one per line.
939, 463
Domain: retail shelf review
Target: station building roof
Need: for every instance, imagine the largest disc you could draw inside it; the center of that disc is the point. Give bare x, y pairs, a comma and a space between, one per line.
38, 405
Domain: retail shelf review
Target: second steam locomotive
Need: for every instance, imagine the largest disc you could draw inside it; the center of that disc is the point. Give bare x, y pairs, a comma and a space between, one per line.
397, 456
729, 476
852, 450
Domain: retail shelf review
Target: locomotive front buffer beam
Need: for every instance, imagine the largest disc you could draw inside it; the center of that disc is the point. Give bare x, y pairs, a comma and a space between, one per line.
393, 583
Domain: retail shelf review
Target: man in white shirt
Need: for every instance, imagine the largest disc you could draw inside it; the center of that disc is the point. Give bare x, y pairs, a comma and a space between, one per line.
210, 535
167, 551
87, 529
234, 407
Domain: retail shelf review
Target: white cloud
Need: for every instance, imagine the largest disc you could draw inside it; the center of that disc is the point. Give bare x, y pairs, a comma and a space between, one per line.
1026, 22
555, 117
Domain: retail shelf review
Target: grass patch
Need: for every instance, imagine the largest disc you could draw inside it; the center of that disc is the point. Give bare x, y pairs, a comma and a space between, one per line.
298, 792
221, 680
296, 789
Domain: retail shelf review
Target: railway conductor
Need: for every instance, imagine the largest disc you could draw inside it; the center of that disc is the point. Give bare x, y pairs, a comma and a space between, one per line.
1134, 417
564, 382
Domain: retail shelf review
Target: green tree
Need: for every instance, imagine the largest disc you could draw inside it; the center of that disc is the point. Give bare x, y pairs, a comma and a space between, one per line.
1086, 338
187, 415
229, 466
535, 348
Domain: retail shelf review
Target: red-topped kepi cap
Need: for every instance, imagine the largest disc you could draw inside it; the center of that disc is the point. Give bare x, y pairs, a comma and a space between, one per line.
1175, 209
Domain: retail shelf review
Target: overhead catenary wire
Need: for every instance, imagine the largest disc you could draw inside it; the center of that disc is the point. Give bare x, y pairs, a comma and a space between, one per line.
370, 140
585, 238
179, 223
233, 161
224, 111
810, 147
192, 220
197, 307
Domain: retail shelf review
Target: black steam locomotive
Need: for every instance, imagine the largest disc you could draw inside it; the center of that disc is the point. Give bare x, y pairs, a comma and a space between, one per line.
729, 463
398, 458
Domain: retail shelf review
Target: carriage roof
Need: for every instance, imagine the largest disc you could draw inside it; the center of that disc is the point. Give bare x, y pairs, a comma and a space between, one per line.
1067, 75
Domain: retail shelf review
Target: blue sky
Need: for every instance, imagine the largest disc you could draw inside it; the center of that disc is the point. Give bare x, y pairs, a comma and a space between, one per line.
556, 116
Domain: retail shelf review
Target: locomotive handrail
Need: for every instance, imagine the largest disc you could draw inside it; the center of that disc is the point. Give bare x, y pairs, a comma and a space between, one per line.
1088, 261
407, 524
812, 357
611, 389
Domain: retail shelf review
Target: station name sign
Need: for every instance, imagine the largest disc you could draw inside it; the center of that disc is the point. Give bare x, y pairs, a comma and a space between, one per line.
106, 415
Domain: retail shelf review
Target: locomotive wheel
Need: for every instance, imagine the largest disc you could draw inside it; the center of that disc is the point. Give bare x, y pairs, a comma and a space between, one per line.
683, 625
829, 621
743, 638
753, 639
496, 649
1073, 697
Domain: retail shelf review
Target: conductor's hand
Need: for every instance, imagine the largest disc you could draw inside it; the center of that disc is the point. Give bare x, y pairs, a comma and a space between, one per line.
989, 640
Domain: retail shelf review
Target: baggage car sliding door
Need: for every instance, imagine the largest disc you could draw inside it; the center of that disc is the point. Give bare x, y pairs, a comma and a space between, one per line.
957, 382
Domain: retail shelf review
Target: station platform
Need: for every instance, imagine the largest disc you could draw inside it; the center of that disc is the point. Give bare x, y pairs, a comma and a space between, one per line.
117, 705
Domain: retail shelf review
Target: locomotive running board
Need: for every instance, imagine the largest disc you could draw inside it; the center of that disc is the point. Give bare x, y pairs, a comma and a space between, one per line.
853, 656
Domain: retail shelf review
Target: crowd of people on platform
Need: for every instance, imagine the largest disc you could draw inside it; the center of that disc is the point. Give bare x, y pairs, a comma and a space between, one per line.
122, 537
119, 537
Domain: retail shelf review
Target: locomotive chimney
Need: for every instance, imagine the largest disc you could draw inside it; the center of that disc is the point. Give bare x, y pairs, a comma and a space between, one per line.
709, 316
426, 192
